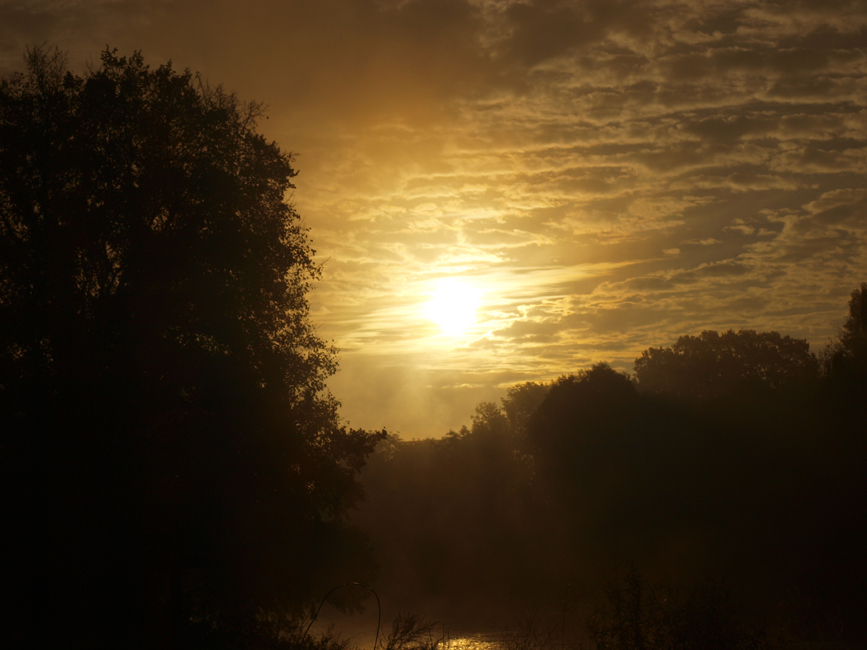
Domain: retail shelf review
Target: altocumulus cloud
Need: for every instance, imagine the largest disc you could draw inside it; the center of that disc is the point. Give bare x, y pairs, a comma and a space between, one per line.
612, 174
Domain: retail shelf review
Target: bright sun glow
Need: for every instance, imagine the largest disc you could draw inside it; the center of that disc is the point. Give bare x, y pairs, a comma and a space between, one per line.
453, 306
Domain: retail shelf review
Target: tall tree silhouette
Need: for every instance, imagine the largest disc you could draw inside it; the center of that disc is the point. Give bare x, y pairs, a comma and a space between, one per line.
167, 439
595, 399
845, 357
521, 402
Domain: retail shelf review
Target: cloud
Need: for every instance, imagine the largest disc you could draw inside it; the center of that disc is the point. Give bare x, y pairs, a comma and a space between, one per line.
613, 174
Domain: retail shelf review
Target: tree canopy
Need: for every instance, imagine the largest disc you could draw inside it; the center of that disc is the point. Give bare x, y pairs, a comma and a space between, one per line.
167, 437
845, 357
714, 365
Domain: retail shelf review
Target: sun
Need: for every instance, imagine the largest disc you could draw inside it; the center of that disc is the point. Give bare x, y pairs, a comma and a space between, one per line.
453, 306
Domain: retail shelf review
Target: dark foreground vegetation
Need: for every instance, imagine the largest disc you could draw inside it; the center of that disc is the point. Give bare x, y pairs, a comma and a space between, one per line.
169, 458
173, 473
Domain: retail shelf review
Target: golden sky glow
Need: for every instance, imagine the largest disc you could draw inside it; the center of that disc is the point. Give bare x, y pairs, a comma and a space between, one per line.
608, 175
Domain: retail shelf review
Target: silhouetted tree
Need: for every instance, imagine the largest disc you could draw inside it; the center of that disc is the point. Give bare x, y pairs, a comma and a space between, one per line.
576, 406
167, 443
844, 359
521, 401
714, 365
510, 419
489, 420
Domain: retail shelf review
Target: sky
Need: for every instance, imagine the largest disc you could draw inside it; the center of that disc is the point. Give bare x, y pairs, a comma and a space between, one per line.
503, 191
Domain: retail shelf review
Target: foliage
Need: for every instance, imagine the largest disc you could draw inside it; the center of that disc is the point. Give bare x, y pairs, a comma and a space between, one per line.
267, 630
844, 359
521, 402
411, 632
714, 365
168, 446
595, 397
634, 617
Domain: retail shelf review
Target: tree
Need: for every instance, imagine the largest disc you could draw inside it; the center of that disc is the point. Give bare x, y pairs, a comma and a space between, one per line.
591, 399
521, 401
714, 365
167, 437
490, 421
583, 416
845, 357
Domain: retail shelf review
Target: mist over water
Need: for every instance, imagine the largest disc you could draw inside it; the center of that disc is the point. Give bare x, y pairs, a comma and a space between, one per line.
360, 630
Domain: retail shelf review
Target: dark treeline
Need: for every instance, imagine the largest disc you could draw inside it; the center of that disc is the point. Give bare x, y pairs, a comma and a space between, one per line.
737, 457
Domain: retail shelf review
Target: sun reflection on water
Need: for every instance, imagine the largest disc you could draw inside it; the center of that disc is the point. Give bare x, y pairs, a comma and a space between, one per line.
476, 642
